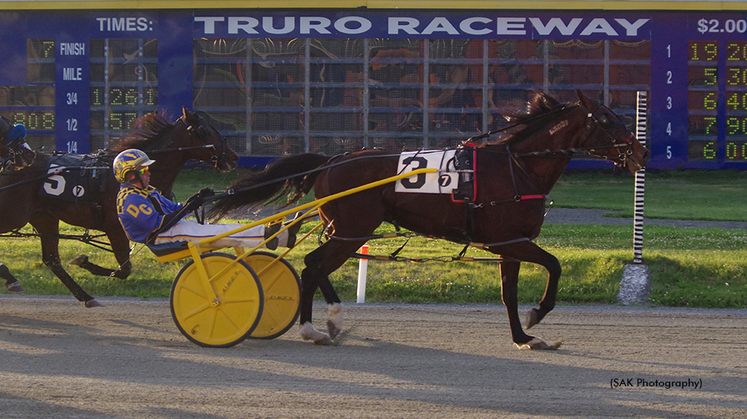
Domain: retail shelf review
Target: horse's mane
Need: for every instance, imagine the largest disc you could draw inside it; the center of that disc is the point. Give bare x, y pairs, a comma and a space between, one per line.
5, 126
538, 105
148, 129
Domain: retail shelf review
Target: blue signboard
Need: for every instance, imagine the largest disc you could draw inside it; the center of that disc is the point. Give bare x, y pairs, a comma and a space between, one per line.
328, 80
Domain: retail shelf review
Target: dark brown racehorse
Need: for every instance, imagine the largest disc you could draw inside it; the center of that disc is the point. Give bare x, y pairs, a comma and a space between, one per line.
171, 145
513, 174
11, 283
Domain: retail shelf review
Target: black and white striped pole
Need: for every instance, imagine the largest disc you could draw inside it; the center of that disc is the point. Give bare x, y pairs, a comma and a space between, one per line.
640, 179
634, 287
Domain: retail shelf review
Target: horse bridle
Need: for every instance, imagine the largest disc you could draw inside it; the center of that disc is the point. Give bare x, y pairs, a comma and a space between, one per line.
199, 131
593, 123
19, 153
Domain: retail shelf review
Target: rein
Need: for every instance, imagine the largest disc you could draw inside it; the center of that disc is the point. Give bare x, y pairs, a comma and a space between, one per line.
27, 181
5, 160
561, 153
592, 124
161, 150
394, 256
87, 238
47, 175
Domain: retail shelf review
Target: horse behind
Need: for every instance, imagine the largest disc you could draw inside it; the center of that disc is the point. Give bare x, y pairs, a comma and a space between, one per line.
171, 145
7, 157
512, 177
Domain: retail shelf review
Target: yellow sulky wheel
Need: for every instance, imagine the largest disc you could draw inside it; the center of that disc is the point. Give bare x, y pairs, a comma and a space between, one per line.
230, 319
282, 290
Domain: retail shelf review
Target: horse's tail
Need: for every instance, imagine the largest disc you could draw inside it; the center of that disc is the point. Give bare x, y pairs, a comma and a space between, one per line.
291, 177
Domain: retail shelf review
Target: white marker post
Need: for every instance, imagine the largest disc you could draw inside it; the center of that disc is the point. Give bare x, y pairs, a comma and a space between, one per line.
362, 272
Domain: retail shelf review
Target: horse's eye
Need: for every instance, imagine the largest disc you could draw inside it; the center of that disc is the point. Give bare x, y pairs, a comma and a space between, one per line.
604, 121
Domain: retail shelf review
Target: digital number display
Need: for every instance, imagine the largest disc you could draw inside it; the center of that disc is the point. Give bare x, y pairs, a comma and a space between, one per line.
699, 100
40, 60
332, 80
736, 51
736, 125
32, 120
123, 96
717, 131
703, 50
702, 100
123, 85
702, 125
736, 101
702, 149
122, 120
115, 121
735, 119
736, 150
703, 75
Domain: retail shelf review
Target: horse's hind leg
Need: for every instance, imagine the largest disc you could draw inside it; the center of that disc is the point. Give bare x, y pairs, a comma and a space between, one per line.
319, 264
11, 283
120, 246
48, 229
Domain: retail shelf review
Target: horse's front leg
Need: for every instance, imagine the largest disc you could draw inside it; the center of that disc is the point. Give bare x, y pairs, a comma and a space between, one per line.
551, 263
48, 229
528, 252
11, 283
509, 295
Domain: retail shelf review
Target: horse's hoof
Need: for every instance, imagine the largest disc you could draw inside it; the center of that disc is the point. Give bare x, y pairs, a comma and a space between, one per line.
539, 344
92, 303
325, 341
80, 260
15, 287
332, 329
309, 332
532, 318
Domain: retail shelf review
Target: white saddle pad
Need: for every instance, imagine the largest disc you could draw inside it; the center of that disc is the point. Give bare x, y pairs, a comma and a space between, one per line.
442, 182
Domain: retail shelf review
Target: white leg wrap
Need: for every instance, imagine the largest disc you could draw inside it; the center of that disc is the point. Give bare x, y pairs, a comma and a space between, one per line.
335, 315
309, 332
535, 343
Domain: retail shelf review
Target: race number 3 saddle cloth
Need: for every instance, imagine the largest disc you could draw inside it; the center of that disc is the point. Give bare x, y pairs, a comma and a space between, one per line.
75, 178
455, 174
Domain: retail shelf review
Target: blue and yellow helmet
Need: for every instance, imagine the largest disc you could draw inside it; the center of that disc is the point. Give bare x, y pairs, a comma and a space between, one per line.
129, 160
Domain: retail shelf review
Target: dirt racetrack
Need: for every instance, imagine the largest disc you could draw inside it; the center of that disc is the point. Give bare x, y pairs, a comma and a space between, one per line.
127, 360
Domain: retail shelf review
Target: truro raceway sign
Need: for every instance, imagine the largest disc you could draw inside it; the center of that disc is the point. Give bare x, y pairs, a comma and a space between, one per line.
379, 25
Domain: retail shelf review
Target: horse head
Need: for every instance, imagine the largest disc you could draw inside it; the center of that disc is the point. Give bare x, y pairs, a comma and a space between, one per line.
13, 147
218, 152
607, 136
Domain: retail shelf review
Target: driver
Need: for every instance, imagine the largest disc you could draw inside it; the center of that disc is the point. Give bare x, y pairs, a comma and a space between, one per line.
148, 217
15, 140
